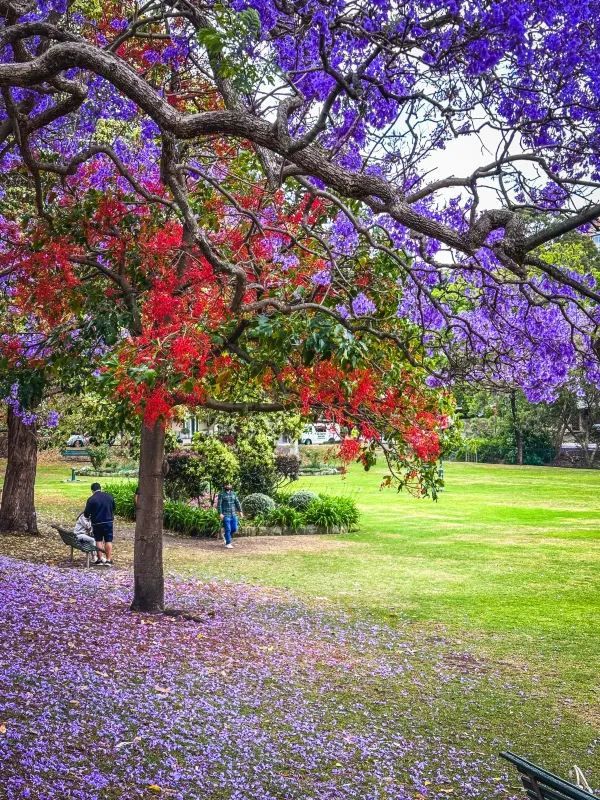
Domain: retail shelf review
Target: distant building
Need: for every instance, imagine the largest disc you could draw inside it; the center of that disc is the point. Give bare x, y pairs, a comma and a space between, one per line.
192, 425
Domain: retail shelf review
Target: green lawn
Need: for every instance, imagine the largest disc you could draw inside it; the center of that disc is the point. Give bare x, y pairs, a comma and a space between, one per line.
506, 565
507, 555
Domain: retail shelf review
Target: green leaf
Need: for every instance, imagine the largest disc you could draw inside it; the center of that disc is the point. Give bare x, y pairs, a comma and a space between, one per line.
212, 40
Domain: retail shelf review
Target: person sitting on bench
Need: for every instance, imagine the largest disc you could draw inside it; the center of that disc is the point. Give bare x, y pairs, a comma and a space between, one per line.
83, 530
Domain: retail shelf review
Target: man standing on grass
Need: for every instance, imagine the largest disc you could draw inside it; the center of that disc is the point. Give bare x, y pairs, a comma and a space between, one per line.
229, 506
100, 508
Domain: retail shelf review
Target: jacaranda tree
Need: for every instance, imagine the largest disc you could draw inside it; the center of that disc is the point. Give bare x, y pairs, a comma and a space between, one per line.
253, 184
48, 347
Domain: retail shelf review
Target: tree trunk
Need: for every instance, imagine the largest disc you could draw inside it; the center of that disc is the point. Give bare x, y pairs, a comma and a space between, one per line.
582, 438
17, 511
147, 563
520, 447
518, 433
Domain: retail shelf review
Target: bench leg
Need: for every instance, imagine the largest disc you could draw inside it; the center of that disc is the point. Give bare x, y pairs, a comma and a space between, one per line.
71, 555
87, 560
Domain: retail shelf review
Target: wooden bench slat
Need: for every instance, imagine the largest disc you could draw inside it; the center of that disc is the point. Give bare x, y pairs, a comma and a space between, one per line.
539, 781
546, 791
71, 540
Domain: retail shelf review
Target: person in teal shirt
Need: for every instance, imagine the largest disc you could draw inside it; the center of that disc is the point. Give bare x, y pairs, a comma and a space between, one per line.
229, 506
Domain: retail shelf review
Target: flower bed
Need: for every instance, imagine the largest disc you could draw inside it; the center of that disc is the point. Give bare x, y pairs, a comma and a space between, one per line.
274, 530
90, 472
322, 514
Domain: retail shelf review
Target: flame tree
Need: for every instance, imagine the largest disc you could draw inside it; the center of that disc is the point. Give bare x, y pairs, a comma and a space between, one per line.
183, 334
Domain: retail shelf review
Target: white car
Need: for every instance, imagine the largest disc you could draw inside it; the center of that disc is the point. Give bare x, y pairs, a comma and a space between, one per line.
321, 433
77, 440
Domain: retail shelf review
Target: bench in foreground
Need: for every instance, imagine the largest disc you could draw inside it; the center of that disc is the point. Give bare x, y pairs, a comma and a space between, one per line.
543, 785
73, 542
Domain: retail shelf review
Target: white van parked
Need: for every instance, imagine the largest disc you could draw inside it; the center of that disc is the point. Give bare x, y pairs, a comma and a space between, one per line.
321, 433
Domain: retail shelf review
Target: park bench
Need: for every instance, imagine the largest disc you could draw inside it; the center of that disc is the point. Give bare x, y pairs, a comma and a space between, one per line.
543, 785
76, 453
71, 541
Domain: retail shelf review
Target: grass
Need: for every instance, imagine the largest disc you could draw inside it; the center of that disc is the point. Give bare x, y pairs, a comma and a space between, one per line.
508, 556
512, 553
506, 563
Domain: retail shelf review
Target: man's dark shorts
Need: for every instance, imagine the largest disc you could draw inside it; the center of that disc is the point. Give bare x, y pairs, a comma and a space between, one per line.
103, 532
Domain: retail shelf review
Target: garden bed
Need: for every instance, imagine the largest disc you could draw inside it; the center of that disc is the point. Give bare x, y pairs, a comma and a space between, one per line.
107, 473
321, 471
302, 513
275, 530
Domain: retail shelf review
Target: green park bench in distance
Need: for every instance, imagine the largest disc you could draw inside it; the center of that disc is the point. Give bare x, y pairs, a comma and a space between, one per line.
80, 453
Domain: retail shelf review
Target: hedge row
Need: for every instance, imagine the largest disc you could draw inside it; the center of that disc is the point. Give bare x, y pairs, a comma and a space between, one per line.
178, 517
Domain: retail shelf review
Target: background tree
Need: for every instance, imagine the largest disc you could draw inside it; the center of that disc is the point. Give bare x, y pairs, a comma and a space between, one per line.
48, 347
253, 439
217, 464
504, 427
93, 415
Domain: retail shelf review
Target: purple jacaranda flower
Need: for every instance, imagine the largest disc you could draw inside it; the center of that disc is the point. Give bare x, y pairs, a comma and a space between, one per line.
119, 24
287, 261
151, 57
52, 419
362, 305
344, 236
322, 278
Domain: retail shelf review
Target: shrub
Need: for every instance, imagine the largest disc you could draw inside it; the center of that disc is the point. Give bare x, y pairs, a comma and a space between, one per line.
281, 498
287, 467
218, 464
301, 499
185, 478
314, 459
330, 512
255, 504
178, 517
98, 455
284, 517
257, 478
254, 451
124, 494
182, 518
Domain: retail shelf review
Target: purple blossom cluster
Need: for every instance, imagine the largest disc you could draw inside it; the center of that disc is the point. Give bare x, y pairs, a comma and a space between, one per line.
344, 236
322, 278
263, 699
508, 332
363, 306
13, 402
27, 417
